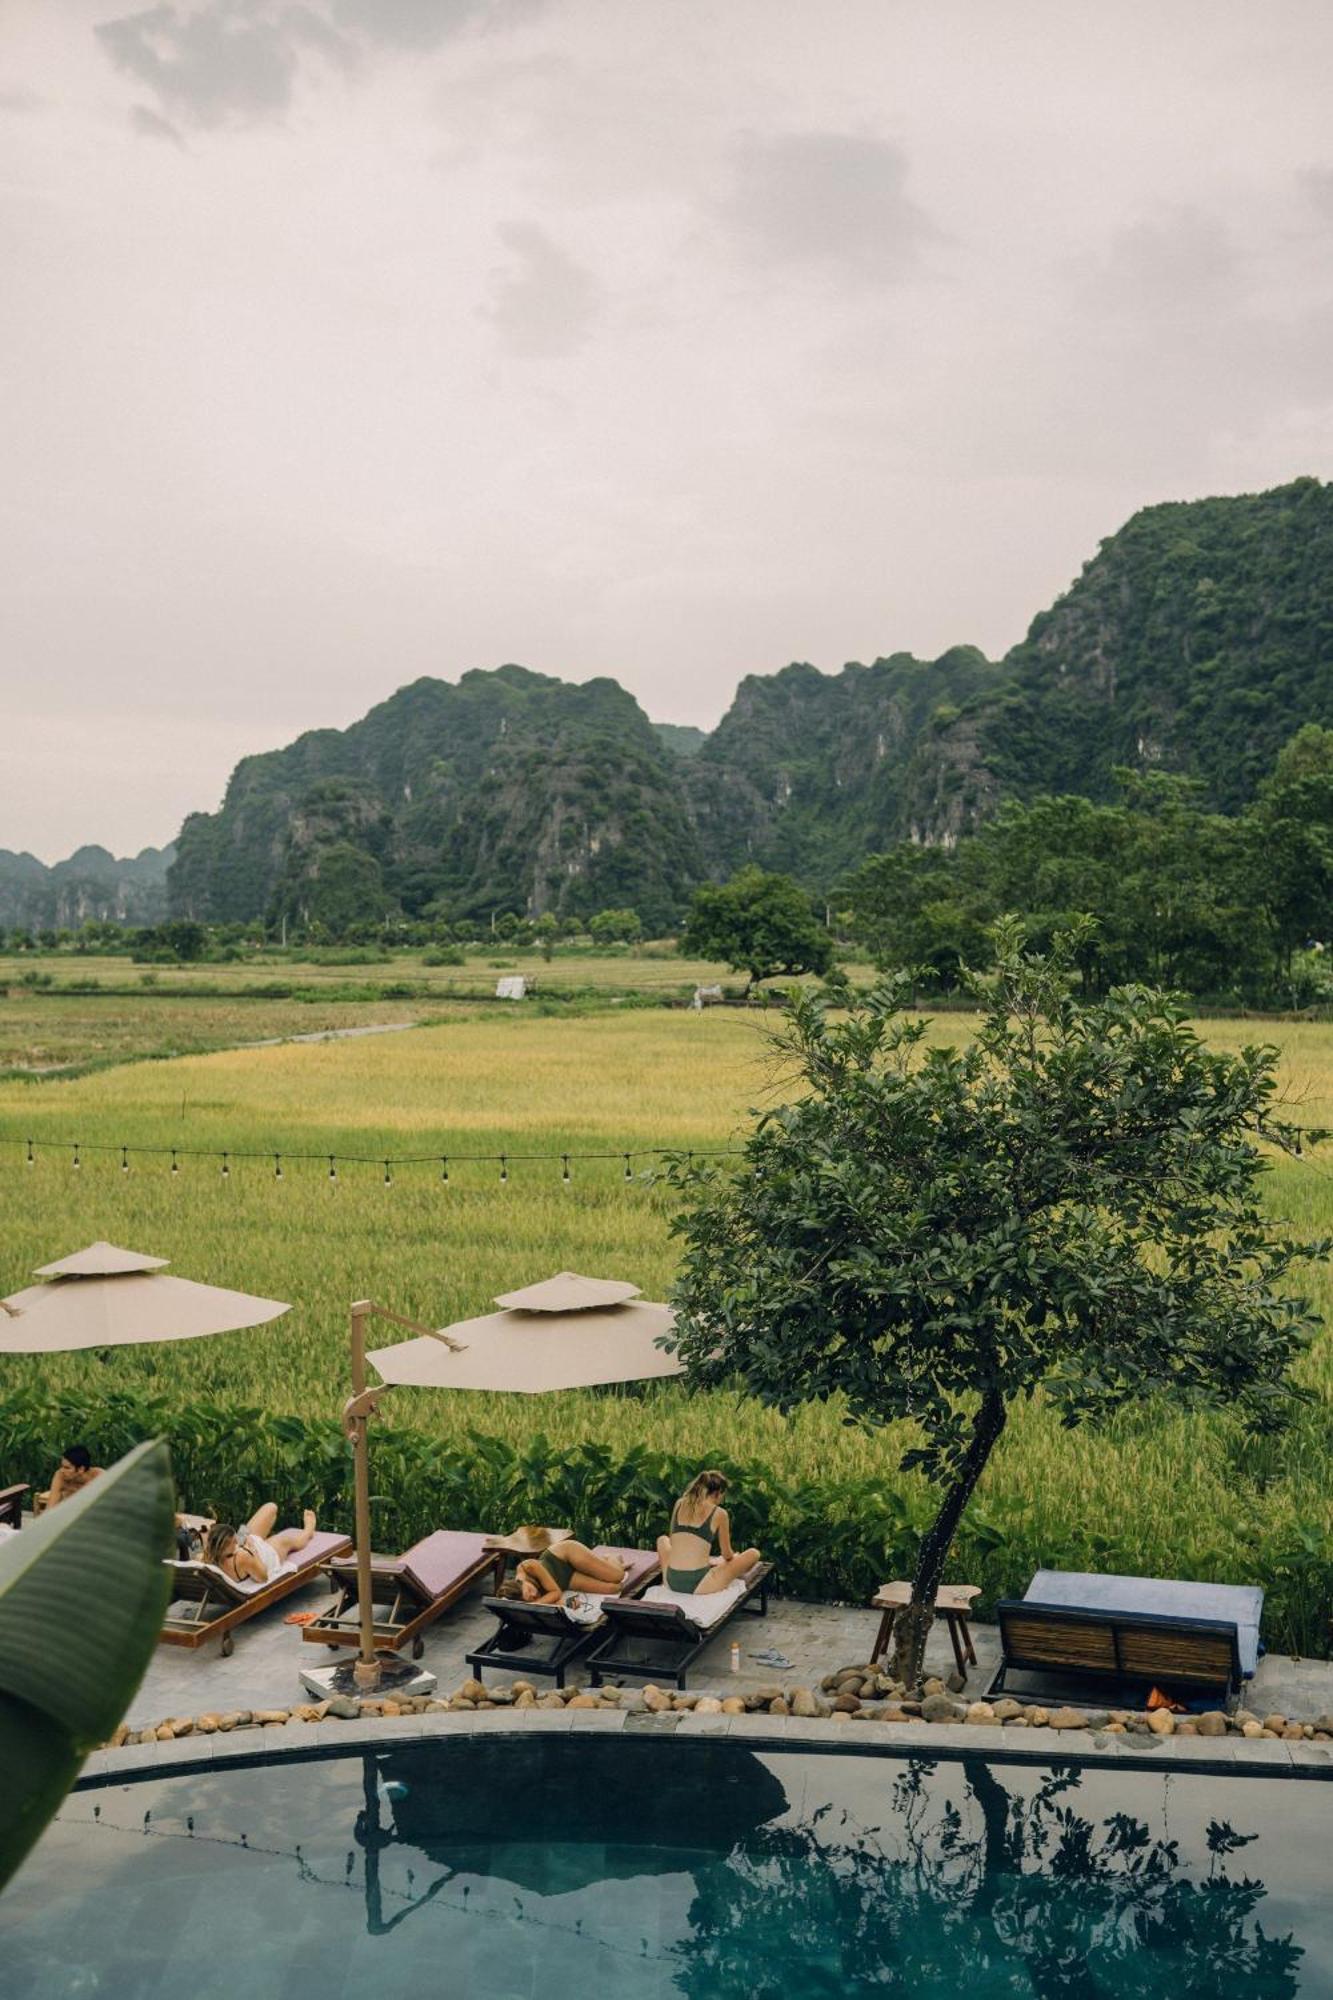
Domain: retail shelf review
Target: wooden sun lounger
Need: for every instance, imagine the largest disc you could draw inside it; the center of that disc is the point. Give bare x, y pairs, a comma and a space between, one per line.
11, 1506
661, 1641
409, 1592
544, 1638
1117, 1653
214, 1603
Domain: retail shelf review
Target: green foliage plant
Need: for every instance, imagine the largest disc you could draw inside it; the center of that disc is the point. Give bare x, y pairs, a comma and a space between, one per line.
1067, 1207
759, 924
82, 1594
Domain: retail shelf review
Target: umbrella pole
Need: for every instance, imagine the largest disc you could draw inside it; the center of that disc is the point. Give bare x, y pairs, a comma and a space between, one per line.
366, 1672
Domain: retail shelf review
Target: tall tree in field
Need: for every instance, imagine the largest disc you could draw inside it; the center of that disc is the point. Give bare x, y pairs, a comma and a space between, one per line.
1070, 1203
757, 923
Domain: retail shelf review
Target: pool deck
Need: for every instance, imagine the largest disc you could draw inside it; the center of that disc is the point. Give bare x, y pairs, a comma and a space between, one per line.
813, 1640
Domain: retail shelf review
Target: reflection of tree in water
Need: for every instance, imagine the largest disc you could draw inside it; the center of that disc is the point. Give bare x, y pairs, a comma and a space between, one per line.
1012, 1895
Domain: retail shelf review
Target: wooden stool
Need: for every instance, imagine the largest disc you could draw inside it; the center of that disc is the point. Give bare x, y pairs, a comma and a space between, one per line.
953, 1603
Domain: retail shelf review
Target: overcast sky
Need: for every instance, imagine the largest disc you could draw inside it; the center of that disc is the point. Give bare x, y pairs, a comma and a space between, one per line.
343, 341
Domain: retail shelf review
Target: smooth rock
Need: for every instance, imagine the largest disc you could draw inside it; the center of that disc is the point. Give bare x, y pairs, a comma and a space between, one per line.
1162, 1722
803, 1702
708, 1705
1006, 1708
582, 1701
1277, 1723
343, 1706
1211, 1723
733, 1705
1066, 1718
942, 1708
981, 1713
848, 1703
956, 1682
778, 1706
1037, 1716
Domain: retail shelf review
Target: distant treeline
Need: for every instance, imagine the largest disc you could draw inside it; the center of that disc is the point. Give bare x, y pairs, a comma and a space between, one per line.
1232, 909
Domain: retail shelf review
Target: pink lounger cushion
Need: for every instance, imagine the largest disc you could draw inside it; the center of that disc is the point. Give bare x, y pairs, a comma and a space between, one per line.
432, 1566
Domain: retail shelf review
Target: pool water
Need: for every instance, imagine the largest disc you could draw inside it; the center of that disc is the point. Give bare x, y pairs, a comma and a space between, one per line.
628, 1866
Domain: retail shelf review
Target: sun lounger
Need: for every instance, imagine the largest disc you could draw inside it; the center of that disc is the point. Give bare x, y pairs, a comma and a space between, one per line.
409, 1592
662, 1635
207, 1604
1121, 1636
547, 1638
11, 1506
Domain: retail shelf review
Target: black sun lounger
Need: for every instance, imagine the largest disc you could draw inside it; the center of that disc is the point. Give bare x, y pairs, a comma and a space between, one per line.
655, 1641
409, 1592
206, 1603
11, 1506
545, 1638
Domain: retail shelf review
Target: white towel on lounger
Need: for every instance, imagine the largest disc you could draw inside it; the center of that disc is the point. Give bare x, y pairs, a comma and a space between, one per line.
710, 1609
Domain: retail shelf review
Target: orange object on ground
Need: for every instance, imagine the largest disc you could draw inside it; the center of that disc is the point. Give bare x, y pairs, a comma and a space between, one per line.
300, 1618
1157, 1699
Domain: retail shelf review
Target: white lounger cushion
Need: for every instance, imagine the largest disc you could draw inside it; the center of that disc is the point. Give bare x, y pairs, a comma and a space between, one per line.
710, 1609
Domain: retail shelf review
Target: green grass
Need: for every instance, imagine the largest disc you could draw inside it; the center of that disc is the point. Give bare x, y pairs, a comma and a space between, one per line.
1159, 1493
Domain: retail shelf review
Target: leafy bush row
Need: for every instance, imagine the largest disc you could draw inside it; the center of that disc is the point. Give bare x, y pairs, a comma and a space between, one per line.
833, 1541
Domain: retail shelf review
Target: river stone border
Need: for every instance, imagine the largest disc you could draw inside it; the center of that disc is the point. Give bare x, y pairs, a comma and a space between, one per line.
857, 1708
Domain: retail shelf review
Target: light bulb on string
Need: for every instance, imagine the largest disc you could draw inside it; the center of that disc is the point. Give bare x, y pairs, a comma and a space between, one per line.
175, 1163
124, 1159
333, 1169
77, 1161
31, 1160
444, 1169
565, 1176
629, 1171
226, 1167
388, 1175
504, 1168
277, 1166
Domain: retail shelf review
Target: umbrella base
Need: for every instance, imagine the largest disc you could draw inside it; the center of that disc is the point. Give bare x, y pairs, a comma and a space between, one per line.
397, 1678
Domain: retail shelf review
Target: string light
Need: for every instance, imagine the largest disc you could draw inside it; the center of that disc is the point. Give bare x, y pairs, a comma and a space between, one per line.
281, 1160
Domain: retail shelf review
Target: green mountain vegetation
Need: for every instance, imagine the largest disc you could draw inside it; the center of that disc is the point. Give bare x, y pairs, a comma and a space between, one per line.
90, 887
1196, 642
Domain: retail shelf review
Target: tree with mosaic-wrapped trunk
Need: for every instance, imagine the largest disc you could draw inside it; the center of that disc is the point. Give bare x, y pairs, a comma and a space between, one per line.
1070, 1204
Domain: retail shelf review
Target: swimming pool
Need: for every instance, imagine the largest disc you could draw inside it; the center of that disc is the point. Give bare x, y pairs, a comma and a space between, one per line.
626, 1866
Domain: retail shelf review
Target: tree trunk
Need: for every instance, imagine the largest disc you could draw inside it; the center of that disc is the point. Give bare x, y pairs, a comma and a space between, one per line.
912, 1625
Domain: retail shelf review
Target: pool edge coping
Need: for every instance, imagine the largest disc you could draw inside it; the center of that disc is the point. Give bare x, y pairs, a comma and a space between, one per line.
1207, 1756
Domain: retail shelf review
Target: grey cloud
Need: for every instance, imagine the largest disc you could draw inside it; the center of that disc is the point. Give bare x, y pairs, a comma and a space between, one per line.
1317, 186
212, 64
15, 100
545, 303
1181, 266
408, 24
149, 126
830, 199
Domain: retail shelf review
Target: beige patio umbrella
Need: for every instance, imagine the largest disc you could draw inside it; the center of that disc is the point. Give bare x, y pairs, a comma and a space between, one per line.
107, 1297
568, 1332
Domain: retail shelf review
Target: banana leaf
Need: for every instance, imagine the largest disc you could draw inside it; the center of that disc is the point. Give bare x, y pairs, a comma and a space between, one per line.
82, 1594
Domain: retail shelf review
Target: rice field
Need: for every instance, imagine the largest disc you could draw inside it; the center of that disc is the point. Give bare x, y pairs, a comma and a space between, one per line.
1182, 1495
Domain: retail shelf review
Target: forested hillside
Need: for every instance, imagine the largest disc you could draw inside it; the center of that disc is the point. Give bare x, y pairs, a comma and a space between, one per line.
1196, 641
92, 886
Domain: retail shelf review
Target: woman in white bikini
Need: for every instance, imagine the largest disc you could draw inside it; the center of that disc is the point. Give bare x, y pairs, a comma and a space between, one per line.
254, 1553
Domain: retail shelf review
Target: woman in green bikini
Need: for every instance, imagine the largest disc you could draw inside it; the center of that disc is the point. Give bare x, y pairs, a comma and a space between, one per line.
562, 1566
696, 1553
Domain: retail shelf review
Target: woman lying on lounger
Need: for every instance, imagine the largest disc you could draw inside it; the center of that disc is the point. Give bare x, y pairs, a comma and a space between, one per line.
254, 1554
561, 1566
696, 1553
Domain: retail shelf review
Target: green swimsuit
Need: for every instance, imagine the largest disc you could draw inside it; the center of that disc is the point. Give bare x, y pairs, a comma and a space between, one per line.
688, 1580
556, 1568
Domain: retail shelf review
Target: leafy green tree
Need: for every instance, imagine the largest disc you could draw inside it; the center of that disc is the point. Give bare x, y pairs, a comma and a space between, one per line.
759, 924
1069, 1205
615, 927
1293, 828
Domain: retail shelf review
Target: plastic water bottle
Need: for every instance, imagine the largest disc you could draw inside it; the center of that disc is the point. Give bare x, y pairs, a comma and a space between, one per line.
735, 1656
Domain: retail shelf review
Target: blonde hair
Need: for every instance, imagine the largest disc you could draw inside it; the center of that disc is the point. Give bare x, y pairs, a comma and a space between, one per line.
710, 1485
